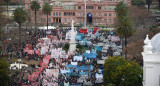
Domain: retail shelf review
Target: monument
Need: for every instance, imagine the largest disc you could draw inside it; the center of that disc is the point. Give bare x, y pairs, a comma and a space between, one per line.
72, 42
151, 60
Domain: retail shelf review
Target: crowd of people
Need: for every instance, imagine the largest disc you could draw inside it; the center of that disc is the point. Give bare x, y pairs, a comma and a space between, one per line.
57, 67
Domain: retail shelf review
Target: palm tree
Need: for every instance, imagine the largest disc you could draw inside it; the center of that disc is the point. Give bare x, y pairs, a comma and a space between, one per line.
121, 10
35, 6
7, 1
47, 9
20, 16
125, 27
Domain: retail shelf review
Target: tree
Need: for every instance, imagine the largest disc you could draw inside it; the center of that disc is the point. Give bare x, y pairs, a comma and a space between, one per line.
20, 16
149, 2
121, 10
110, 68
121, 72
80, 48
66, 47
158, 4
141, 17
47, 9
5, 79
137, 2
7, 1
35, 6
125, 26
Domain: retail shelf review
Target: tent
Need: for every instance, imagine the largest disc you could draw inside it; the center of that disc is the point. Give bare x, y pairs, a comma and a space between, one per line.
45, 28
83, 31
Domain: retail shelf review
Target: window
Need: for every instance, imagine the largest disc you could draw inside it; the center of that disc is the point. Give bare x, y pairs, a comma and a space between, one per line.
59, 13
73, 13
49, 20
64, 19
68, 20
105, 20
105, 14
79, 20
99, 14
56, 13
110, 14
95, 21
29, 6
89, 7
99, 7
99, 20
79, 14
64, 13
53, 13
69, 13
109, 20
79, 7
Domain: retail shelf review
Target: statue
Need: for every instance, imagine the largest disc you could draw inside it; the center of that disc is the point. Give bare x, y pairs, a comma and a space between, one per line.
72, 42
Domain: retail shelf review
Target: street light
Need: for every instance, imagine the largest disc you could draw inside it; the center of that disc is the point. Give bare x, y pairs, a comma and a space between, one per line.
88, 61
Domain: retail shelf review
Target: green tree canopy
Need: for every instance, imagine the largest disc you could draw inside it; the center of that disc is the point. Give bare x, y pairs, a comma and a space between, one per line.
137, 2
121, 72
80, 48
20, 15
125, 26
66, 47
5, 79
35, 6
121, 10
47, 9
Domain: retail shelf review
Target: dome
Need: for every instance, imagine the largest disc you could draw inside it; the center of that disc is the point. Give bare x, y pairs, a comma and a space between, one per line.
155, 42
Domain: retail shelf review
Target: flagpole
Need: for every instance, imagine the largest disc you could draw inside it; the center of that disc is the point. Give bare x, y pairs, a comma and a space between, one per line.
85, 16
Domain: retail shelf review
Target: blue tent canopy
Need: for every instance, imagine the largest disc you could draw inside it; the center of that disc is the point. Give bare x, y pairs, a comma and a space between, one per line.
91, 55
76, 85
79, 36
111, 32
98, 48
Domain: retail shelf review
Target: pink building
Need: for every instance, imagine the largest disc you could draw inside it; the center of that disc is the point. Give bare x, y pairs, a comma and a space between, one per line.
98, 11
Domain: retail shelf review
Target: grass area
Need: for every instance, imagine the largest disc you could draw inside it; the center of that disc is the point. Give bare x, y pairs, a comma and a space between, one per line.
13, 59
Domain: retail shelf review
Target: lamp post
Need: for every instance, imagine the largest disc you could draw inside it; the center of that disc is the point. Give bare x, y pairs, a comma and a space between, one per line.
88, 61
85, 16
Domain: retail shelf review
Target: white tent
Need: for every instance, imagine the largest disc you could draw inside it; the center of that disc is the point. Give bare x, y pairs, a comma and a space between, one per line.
45, 28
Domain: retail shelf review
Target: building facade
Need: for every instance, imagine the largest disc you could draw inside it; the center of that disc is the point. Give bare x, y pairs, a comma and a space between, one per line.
14, 1
97, 11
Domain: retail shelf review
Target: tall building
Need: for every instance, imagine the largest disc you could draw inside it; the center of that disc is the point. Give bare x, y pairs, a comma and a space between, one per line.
98, 11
